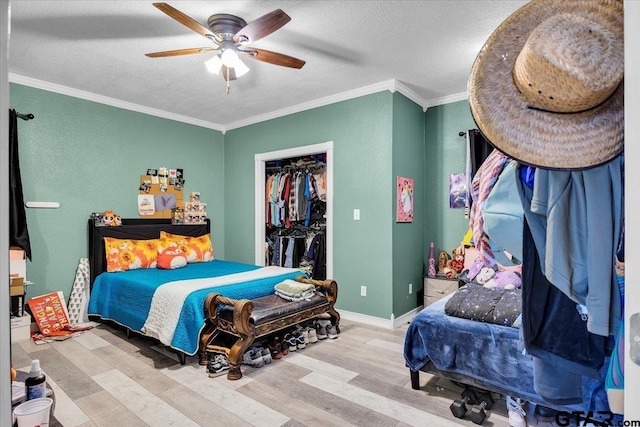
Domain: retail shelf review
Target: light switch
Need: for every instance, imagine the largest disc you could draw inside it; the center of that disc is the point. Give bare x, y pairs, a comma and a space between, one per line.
356, 214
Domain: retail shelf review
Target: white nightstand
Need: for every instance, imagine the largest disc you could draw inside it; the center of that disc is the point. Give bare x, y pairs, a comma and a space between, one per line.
436, 288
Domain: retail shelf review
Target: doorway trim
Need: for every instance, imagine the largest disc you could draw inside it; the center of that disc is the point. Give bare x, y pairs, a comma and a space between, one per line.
260, 183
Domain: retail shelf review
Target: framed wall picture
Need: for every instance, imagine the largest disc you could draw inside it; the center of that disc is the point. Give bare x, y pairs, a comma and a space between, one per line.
458, 190
404, 208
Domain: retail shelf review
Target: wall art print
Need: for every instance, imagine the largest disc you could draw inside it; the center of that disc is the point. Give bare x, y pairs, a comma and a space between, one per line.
404, 209
458, 190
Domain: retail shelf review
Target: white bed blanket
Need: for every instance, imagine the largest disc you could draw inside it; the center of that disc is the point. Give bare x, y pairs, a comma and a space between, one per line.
168, 299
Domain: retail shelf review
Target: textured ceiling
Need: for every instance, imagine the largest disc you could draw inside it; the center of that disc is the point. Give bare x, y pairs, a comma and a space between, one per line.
98, 47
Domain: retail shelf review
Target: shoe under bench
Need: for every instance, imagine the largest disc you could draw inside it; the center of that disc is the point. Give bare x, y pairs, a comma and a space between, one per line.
247, 320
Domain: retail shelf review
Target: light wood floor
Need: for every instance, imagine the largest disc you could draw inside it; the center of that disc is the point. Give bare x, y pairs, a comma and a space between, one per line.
103, 378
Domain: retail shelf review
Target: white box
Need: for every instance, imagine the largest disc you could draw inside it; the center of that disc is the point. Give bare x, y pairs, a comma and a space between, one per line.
21, 328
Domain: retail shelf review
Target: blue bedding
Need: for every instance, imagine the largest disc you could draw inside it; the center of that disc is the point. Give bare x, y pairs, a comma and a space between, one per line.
125, 297
483, 355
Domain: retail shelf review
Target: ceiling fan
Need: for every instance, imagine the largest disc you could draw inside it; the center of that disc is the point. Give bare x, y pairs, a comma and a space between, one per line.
230, 36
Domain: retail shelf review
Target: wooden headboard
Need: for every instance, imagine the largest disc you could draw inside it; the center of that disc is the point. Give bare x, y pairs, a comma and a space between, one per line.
134, 228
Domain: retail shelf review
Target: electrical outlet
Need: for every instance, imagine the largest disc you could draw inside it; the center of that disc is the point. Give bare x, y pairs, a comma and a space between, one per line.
410, 288
363, 291
356, 214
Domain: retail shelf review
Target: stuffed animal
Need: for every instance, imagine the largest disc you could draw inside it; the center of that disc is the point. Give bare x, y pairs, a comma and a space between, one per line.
171, 259
504, 280
443, 261
457, 262
109, 218
485, 274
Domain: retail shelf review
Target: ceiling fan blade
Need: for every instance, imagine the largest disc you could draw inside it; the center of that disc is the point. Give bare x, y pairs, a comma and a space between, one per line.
231, 71
180, 52
262, 26
184, 19
274, 58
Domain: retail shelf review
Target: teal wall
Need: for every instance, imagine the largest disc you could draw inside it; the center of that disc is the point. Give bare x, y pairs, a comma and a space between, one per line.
445, 153
408, 238
361, 131
89, 158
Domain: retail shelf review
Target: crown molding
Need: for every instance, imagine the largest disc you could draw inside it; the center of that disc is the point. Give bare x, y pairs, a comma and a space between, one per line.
321, 102
446, 100
89, 96
392, 86
410, 94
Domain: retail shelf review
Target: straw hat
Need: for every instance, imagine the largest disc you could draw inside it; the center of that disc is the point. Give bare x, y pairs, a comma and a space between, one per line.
547, 87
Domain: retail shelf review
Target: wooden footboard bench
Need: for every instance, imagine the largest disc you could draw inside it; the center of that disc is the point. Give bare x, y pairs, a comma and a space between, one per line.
248, 320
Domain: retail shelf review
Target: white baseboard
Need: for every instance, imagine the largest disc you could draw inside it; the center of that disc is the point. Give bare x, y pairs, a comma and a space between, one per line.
379, 322
407, 317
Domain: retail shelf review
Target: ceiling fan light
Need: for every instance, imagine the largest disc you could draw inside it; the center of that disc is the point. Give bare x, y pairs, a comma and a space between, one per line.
230, 58
214, 64
240, 68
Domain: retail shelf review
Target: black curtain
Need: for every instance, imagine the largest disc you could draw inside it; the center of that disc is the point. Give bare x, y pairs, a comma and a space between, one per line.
479, 148
18, 233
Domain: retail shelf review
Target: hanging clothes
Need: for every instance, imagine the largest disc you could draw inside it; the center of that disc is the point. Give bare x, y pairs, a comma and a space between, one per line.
18, 232
295, 208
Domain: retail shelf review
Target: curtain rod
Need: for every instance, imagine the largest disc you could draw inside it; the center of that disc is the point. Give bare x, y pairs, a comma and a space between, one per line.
27, 116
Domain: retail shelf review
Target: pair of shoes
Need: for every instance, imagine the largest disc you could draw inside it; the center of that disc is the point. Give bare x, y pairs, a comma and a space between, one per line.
253, 357
294, 340
517, 415
266, 354
217, 364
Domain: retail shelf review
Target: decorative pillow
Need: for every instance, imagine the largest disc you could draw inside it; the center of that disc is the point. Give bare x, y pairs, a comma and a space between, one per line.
124, 254
171, 259
197, 249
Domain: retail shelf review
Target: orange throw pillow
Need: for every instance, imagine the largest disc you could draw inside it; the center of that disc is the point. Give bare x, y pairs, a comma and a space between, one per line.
197, 249
125, 254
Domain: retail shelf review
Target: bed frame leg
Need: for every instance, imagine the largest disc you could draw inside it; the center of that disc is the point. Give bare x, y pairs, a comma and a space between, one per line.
415, 379
182, 358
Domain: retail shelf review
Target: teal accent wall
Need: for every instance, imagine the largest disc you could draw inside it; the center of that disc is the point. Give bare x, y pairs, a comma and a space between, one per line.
408, 240
89, 157
445, 153
361, 130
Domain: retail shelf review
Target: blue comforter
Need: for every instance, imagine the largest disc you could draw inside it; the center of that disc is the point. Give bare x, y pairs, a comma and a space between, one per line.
125, 297
482, 355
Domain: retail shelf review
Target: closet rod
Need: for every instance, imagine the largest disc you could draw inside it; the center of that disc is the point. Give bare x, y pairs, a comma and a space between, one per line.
27, 116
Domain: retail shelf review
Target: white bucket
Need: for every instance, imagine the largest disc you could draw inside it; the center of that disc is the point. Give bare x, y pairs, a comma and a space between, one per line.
33, 413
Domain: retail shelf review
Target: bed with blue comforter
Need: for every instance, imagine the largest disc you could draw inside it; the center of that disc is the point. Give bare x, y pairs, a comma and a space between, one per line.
169, 304
483, 355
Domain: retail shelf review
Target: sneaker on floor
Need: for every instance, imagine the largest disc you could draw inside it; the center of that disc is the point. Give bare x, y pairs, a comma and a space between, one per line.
312, 334
266, 355
274, 348
300, 341
305, 335
321, 331
517, 415
291, 342
217, 364
284, 346
332, 332
253, 357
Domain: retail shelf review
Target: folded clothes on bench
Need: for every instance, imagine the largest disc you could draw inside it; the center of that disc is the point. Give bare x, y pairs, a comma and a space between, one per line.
294, 291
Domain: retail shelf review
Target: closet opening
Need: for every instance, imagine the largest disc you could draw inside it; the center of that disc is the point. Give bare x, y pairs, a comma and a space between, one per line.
300, 226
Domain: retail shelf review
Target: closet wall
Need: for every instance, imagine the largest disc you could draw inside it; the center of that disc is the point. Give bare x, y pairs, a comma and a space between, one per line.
295, 213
